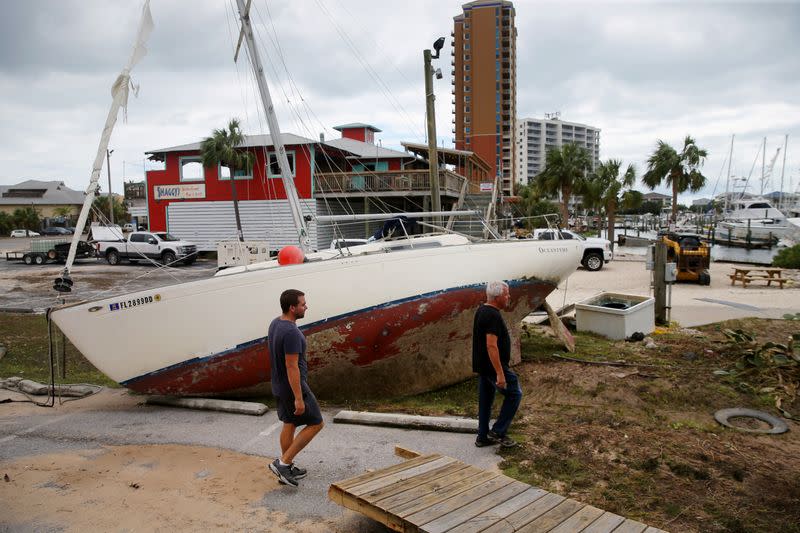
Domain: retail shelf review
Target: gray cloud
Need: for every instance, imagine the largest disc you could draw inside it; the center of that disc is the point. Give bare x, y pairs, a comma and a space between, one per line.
641, 71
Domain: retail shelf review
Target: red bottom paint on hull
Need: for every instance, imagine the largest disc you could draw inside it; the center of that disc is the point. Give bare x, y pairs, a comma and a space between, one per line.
402, 348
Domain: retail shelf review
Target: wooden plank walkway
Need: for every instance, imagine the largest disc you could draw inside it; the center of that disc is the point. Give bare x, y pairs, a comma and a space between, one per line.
434, 493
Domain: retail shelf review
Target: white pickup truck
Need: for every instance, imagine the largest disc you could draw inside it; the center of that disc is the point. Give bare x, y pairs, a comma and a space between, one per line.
142, 245
596, 251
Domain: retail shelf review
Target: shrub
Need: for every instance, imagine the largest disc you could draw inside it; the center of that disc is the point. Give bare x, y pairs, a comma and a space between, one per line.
788, 258
6, 224
27, 218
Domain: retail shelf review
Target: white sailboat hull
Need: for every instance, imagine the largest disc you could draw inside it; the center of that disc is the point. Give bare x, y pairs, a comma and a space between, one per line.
382, 323
757, 230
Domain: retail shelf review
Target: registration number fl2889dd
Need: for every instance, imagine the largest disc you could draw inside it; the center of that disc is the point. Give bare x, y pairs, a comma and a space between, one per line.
133, 302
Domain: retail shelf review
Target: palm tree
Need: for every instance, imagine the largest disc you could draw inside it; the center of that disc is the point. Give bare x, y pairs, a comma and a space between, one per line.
565, 168
681, 170
222, 149
101, 206
64, 211
532, 206
613, 194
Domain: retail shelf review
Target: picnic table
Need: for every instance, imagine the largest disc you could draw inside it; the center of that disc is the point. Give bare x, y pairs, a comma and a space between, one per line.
750, 274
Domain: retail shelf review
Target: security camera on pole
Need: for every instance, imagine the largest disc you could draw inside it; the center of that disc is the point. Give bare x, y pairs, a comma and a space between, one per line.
433, 156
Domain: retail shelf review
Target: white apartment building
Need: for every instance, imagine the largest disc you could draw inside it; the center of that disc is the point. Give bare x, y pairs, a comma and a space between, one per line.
536, 135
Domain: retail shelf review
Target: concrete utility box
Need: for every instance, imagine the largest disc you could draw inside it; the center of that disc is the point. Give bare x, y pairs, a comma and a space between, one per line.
616, 316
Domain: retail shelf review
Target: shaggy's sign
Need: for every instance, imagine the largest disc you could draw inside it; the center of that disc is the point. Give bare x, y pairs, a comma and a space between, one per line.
179, 192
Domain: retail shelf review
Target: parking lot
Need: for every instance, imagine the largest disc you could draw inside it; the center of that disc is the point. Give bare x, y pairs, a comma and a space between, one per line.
31, 286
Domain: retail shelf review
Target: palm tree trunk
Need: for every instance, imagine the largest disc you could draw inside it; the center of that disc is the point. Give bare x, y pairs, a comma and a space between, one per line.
674, 200
565, 195
612, 219
239, 232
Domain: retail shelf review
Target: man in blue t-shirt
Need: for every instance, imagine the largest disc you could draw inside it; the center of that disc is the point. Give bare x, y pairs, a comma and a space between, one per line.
296, 404
491, 355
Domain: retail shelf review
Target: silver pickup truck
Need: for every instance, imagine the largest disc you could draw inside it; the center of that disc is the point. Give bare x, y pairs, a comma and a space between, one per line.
143, 245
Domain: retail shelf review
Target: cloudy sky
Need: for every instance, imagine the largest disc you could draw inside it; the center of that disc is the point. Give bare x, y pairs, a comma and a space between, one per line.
640, 71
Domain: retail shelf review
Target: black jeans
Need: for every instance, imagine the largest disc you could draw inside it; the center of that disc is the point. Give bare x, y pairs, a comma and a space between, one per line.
512, 396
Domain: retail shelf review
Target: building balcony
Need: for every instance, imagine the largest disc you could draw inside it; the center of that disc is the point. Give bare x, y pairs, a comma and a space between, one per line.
387, 183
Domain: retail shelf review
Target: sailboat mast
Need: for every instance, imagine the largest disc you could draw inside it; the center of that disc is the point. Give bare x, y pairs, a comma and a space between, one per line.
783, 169
274, 129
763, 165
728, 182
119, 99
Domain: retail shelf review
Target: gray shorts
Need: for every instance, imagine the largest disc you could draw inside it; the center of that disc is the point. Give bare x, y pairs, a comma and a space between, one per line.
310, 417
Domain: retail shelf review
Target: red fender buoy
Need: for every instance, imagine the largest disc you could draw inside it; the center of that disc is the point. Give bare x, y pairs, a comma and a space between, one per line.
290, 255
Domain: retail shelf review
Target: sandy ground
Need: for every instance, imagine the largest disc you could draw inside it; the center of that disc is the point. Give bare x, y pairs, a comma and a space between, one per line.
142, 488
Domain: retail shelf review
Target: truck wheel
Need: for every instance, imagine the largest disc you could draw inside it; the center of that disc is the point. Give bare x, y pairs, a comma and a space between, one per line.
38, 259
168, 257
52, 254
27, 259
112, 256
593, 261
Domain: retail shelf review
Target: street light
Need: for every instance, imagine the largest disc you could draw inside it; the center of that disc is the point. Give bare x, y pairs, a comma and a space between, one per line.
110, 197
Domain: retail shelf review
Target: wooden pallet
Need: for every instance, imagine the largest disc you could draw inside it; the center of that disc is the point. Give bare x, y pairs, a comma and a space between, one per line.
434, 493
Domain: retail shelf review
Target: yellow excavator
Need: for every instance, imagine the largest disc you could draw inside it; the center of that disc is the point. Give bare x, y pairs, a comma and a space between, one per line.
690, 254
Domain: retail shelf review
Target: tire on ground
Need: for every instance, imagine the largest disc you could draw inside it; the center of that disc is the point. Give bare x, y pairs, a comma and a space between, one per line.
778, 426
112, 256
593, 261
168, 257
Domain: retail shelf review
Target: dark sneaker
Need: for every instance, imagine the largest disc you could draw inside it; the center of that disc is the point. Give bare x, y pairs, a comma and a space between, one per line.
486, 441
505, 441
284, 473
297, 472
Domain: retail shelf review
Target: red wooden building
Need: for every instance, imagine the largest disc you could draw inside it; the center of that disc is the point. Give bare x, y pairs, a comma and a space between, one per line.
351, 174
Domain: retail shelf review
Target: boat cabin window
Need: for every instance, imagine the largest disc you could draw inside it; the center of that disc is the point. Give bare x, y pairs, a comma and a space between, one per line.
759, 205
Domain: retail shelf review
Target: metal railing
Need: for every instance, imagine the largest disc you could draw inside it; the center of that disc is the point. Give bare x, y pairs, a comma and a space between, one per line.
357, 183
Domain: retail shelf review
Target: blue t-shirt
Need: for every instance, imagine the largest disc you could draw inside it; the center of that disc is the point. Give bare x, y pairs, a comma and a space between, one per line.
285, 337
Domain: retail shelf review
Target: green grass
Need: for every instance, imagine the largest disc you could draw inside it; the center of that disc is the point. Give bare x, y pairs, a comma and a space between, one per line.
460, 399
27, 355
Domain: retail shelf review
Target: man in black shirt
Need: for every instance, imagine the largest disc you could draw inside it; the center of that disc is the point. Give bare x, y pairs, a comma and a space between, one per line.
491, 354
296, 404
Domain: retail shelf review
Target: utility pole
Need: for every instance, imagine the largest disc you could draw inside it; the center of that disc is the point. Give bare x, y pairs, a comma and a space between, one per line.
110, 197
430, 110
659, 283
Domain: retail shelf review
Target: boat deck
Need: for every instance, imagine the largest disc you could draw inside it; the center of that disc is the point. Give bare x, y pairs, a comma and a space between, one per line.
436, 494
